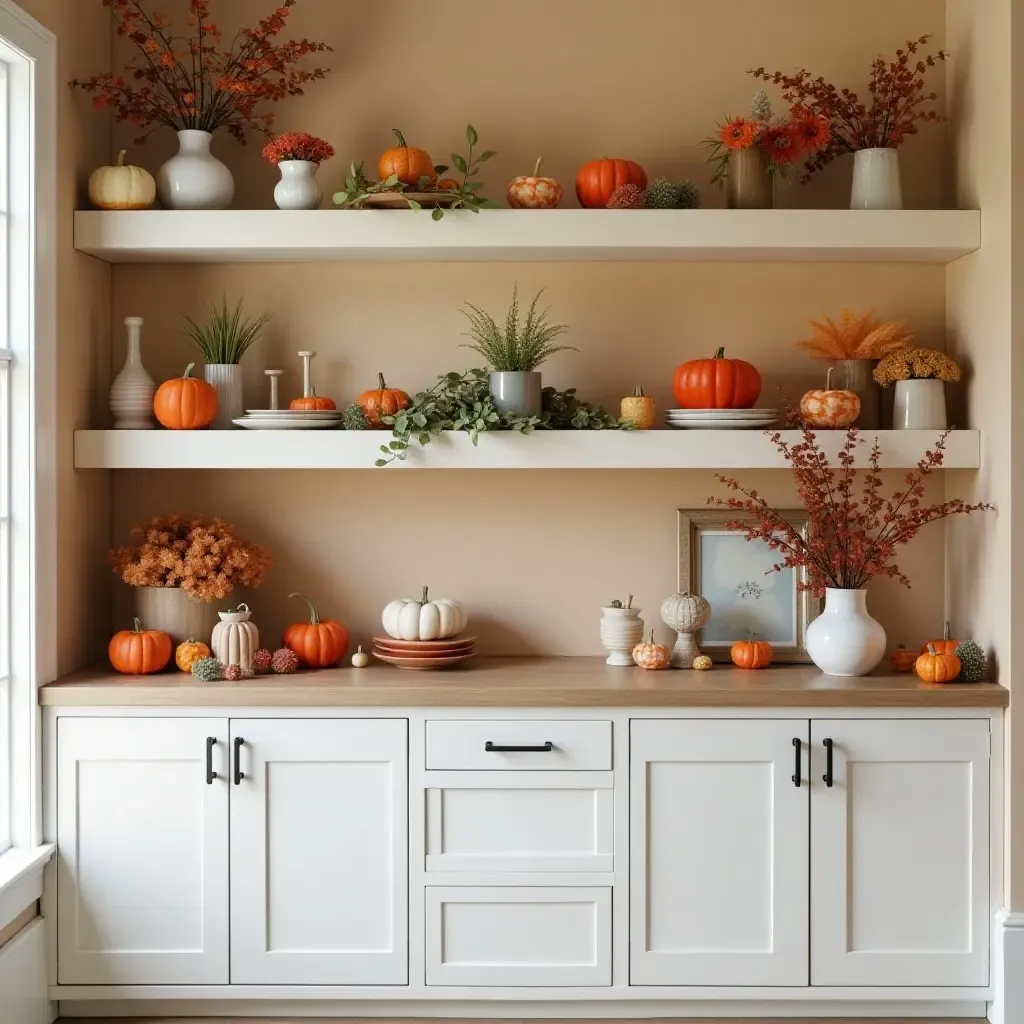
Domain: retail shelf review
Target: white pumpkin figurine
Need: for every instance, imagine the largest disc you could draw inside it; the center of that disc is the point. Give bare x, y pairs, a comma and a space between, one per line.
424, 619
360, 659
236, 639
686, 614
122, 187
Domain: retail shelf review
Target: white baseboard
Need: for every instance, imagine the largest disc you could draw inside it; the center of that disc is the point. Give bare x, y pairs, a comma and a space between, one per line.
23, 978
1008, 970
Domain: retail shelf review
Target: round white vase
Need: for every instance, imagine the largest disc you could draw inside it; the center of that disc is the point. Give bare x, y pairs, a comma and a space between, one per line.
919, 405
298, 188
226, 379
131, 394
194, 179
844, 640
876, 180
621, 630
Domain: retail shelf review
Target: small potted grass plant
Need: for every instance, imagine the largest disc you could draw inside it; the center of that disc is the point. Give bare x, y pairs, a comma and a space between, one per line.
223, 339
514, 352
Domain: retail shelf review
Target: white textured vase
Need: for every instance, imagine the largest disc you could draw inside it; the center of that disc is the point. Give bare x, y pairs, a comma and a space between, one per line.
621, 630
194, 179
298, 188
226, 379
919, 405
236, 639
844, 640
876, 180
131, 394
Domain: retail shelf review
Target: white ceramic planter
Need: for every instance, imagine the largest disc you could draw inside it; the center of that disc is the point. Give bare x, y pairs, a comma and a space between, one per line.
919, 405
236, 639
844, 640
876, 180
131, 394
621, 630
226, 379
194, 179
298, 188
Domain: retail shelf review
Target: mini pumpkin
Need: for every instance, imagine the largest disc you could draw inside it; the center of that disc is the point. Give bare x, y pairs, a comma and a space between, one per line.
830, 409
189, 652
752, 654
407, 162
702, 663
936, 667
122, 187
318, 643
902, 660
185, 402
650, 654
943, 646
360, 659
312, 403
717, 383
381, 401
532, 192
638, 409
138, 651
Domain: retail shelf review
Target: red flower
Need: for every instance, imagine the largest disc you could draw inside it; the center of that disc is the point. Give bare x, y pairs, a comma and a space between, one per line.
813, 130
297, 146
782, 144
738, 133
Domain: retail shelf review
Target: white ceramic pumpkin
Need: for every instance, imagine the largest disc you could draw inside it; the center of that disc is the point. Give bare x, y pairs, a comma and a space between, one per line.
406, 619
235, 639
122, 187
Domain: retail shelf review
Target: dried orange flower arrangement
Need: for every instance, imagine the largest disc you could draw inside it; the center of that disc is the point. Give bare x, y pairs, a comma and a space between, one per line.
855, 337
204, 557
916, 364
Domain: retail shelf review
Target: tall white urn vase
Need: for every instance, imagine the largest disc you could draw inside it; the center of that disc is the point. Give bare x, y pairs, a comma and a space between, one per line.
621, 630
844, 640
131, 394
194, 179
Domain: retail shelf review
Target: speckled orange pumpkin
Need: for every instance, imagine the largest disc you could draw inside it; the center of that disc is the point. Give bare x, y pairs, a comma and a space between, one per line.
651, 655
532, 192
830, 409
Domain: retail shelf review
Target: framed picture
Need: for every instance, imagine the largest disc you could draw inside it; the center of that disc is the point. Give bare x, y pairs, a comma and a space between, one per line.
734, 576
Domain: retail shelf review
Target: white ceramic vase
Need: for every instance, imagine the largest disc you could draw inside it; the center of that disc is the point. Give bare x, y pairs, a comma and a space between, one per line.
226, 379
131, 394
844, 640
621, 630
236, 639
876, 180
298, 188
194, 179
919, 405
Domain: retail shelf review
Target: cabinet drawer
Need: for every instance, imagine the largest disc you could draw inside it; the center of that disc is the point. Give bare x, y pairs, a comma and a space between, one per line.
482, 746
519, 821
519, 936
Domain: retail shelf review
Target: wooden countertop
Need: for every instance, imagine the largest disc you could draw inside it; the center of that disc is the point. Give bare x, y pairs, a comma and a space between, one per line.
522, 682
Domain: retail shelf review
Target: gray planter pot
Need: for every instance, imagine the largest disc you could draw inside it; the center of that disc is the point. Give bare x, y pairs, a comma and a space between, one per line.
855, 375
517, 393
172, 611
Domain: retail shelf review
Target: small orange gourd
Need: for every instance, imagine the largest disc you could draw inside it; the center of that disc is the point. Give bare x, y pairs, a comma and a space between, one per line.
189, 652
318, 643
381, 401
943, 646
138, 651
651, 655
752, 654
185, 403
934, 667
902, 660
638, 409
408, 163
831, 409
313, 402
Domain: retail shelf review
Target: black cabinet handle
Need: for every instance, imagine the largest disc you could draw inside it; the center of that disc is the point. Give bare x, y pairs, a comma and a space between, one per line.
239, 774
495, 748
828, 777
211, 742
797, 778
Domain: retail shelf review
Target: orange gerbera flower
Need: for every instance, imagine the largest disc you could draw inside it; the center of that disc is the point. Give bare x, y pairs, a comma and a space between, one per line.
739, 133
813, 130
782, 144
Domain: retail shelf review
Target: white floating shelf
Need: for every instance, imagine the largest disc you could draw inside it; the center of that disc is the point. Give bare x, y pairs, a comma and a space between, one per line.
261, 236
335, 449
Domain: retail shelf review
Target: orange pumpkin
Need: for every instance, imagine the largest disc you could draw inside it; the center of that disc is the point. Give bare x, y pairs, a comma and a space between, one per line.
943, 646
381, 401
597, 180
447, 184
717, 383
185, 403
138, 651
532, 192
752, 654
314, 402
934, 667
318, 643
407, 162
902, 660
651, 655
189, 652
830, 409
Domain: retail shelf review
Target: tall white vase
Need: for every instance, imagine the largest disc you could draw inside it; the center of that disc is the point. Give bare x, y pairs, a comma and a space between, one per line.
226, 379
844, 640
621, 630
131, 394
194, 179
298, 188
876, 180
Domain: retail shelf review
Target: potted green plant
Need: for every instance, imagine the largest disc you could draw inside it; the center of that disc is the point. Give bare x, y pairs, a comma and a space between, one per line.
513, 353
223, 340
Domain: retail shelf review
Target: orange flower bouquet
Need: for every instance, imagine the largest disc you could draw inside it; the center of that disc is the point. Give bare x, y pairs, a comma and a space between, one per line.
203, 557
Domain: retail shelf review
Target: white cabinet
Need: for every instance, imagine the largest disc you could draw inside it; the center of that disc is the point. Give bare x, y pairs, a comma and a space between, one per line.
142, 889
718, 853
900, 853
319, 888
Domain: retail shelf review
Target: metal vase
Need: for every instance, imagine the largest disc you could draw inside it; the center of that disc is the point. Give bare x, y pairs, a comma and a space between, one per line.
748, 184
517, 393
172, 611
855, 375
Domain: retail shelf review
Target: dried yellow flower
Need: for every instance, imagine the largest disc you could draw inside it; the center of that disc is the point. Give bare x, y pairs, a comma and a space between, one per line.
855, 337
916, 364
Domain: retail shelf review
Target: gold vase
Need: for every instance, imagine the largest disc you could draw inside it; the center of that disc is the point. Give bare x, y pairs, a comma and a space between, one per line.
748, 184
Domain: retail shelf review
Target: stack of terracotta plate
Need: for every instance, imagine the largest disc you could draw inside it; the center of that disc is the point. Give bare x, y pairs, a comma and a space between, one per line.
424, 654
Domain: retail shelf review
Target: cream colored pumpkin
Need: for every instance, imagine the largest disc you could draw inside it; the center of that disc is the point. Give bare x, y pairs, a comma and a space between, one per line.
830, 409
406, 619
650, 655
122, 187
235, 639
360, 659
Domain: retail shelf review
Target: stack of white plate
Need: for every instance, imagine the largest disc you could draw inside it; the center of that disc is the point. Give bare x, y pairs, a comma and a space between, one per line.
721, 419
289, 419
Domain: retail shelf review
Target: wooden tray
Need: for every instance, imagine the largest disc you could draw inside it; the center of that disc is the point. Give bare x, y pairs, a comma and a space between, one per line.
397, 200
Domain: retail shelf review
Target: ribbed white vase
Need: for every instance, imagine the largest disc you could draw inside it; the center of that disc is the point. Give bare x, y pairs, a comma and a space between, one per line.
844, 640
131, 394
621, 630
298, 188
226, 379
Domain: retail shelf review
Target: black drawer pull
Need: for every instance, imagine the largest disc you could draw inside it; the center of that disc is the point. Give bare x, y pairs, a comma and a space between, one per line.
495, 748
211, 742
828, 778
799, 771
239, 774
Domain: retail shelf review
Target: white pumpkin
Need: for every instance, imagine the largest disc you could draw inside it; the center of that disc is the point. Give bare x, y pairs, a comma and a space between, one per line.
235, 639
406, 619
122, 187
